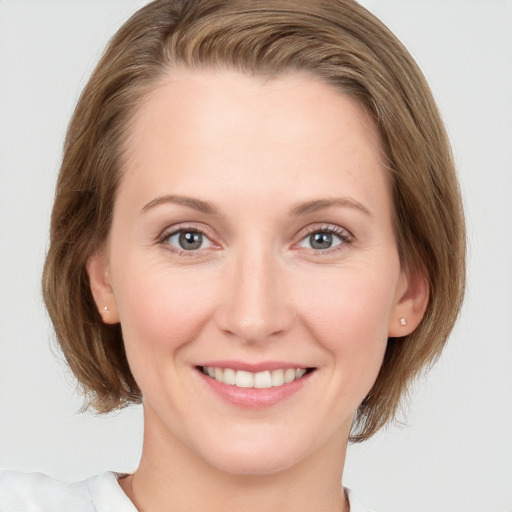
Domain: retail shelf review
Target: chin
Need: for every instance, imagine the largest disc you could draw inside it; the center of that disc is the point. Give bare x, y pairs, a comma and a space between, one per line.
258, 465
253, 458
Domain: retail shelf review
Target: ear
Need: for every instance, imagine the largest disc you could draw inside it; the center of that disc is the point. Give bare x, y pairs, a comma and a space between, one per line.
411, 301
101, 287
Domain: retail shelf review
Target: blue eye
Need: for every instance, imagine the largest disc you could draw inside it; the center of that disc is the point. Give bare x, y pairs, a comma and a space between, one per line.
322, 240
189, 240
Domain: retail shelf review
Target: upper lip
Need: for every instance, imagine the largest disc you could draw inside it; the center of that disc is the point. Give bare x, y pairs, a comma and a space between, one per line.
255, 367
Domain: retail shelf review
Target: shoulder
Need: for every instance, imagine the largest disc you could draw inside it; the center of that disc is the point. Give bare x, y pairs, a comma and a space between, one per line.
20, 492
355, 504
35, 492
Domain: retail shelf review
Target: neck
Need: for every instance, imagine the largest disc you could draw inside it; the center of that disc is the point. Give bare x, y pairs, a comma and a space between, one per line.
171, 477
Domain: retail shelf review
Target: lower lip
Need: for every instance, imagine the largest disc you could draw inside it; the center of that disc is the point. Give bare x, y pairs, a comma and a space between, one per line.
254, 398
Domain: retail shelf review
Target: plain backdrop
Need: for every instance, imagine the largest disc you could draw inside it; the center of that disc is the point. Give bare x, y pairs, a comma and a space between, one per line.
455, 451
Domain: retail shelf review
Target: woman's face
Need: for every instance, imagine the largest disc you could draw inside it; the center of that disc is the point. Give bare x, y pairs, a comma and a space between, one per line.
252, 236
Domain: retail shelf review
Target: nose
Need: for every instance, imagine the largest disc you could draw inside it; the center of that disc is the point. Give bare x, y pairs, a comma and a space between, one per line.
255, 305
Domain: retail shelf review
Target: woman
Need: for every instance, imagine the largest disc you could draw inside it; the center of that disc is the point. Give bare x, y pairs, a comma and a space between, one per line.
257, 232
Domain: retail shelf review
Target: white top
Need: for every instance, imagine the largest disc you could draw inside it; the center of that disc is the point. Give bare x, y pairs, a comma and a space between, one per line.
35, 492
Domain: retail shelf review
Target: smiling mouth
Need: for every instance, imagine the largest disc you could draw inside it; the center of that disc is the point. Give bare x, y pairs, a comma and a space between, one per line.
260, 380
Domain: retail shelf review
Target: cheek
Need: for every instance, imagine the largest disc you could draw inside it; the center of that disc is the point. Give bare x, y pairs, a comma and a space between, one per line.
348, 303
348, 314
161, 310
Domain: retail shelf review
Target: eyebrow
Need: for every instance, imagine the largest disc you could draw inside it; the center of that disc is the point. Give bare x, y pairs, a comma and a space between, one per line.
322, 204
304, 208
189, 202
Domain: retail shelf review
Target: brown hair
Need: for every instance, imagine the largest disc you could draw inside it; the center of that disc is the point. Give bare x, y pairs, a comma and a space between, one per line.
338, 41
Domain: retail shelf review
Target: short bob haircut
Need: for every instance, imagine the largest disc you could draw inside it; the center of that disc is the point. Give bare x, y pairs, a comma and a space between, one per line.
337, 41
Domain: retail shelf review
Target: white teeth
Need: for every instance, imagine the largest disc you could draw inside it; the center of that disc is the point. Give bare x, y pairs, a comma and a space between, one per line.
229, 377
299, 373
244, 379
260, 380
289, 375
277, 377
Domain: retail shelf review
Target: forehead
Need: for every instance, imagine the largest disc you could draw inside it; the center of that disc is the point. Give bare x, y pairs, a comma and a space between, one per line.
204, 100
220, 127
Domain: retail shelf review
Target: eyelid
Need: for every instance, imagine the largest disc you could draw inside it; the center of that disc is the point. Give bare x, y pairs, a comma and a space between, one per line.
186, 226
205, 242
344, 234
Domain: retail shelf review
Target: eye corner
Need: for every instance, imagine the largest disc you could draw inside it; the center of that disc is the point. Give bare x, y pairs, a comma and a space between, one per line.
333, 237
187, 240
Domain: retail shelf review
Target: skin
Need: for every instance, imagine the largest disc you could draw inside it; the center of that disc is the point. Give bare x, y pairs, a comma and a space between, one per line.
257, 290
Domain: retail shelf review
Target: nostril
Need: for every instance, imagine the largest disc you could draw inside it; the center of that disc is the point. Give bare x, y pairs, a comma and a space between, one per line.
254, 305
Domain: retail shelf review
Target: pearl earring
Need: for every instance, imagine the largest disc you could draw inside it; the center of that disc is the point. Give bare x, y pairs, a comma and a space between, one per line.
403, 322
105, 308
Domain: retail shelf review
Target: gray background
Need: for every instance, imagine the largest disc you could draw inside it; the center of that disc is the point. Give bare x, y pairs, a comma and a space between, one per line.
455, 454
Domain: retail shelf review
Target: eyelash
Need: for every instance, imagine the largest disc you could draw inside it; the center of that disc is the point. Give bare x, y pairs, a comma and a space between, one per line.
344, 236
164, 239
